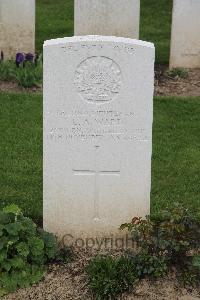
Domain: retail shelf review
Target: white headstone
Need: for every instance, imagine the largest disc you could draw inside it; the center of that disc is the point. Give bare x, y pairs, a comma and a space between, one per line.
185, 40
98, 112
107, 17
17, 27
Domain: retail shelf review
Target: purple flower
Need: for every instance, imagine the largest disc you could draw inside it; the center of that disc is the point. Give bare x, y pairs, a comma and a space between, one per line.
29, 57
19, 59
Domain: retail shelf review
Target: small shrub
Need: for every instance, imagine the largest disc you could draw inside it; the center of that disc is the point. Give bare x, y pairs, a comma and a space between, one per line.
109, 277
146, 265
172, 234
170, 238
177, 72
190, 273
24, 250
64, 255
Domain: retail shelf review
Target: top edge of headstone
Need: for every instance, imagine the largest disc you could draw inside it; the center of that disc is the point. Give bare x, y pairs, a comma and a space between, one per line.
98, 38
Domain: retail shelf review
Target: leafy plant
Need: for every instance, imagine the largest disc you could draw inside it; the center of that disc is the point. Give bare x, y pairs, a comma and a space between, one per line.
147, 265
178, 72
169, 236
190, 274
24, 250
26, 72
172, 232
7, 70
164, 240
109, 277
30, 74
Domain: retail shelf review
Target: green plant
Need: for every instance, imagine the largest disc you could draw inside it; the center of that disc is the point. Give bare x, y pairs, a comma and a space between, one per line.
164, 239
7, 70
64, 255
147, 265
190, 273
178, 72
172, 232
24, 250
109, 277
30, 74
170, 236
27, 75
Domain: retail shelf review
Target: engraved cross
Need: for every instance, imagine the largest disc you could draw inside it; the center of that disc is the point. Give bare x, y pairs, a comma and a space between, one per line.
96, 172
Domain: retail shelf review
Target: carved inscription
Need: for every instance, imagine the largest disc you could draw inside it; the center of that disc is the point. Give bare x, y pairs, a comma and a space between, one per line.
96, 125
191, 54
129, 49
98, 79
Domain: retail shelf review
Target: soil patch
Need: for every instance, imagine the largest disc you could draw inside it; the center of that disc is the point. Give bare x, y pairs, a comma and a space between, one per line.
168, 86
13, 87
69, 282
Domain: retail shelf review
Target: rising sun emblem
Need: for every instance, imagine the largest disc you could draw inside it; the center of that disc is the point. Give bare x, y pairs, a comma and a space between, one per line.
98, 79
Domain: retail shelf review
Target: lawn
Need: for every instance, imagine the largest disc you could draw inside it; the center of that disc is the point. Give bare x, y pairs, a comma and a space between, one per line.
55, 19
21, 152
176, 152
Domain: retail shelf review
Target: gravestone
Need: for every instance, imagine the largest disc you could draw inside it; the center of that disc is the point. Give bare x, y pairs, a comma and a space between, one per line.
98, 114
107, 17
17, 27
185, 40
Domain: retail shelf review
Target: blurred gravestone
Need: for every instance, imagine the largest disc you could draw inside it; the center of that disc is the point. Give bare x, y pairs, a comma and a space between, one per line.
17, 27
185, 40
107, 17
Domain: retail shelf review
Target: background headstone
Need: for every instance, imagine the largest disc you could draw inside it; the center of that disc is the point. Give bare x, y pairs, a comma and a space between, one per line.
98, 111
185, 40
17, 27
107, 17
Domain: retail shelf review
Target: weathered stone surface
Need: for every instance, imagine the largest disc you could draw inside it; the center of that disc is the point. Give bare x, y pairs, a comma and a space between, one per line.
98, 115
17, 27
185, 40
107, 17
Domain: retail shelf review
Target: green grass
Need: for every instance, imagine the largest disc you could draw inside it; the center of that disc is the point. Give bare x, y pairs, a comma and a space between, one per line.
53, 19
21, 152
56, 19
155, 26
176, 152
